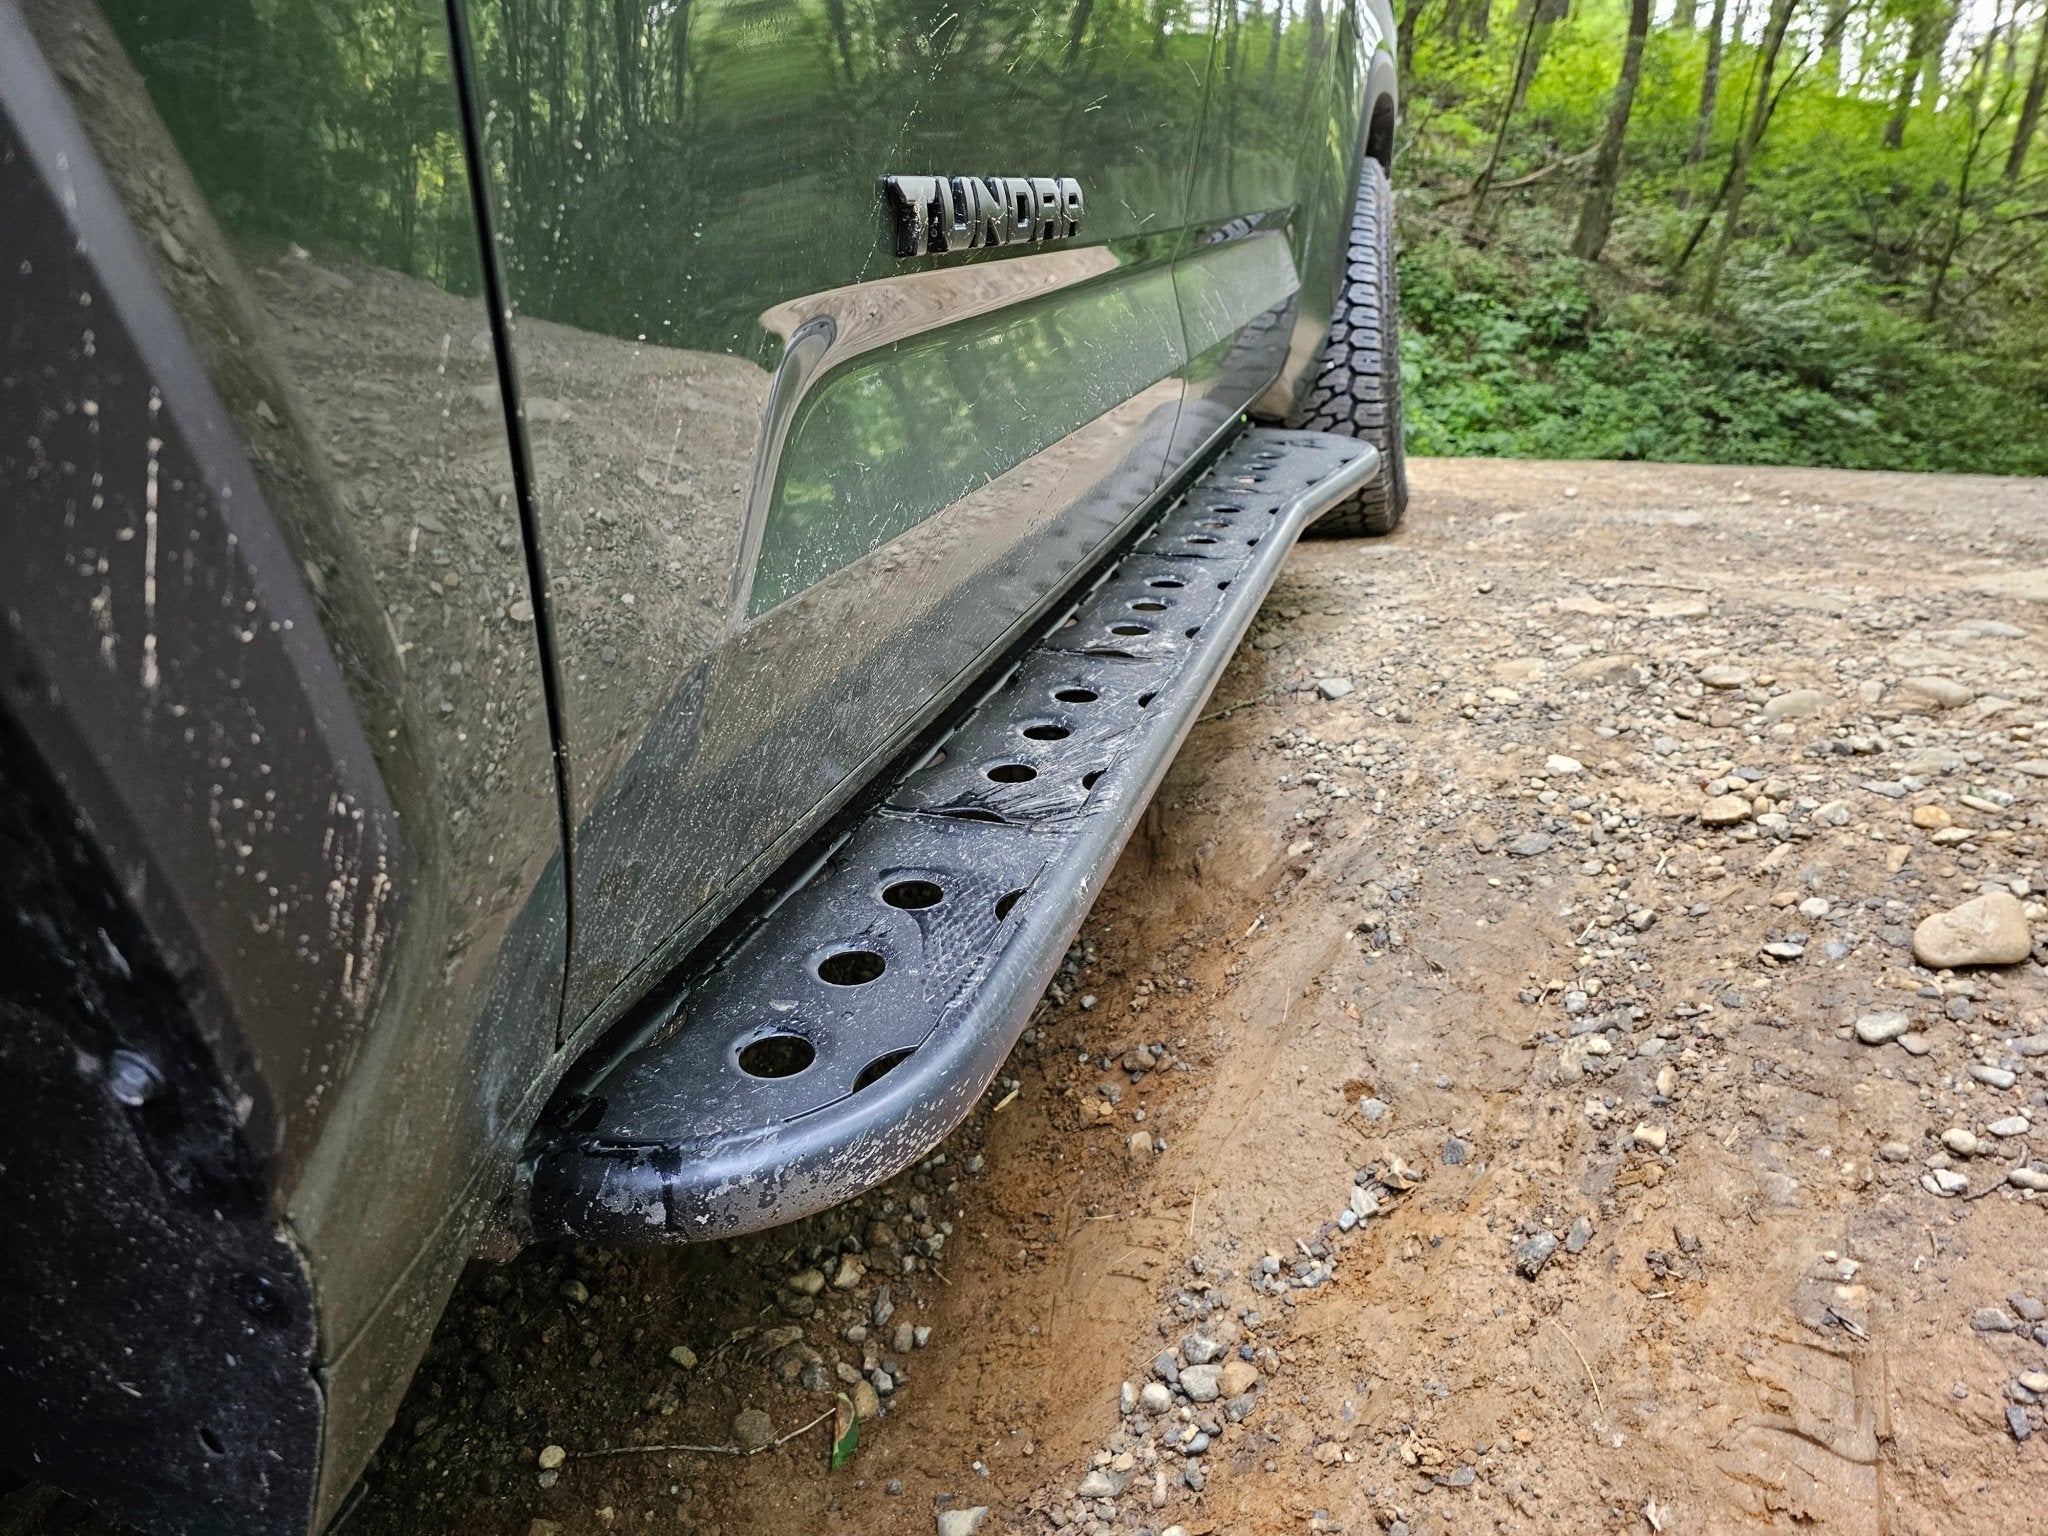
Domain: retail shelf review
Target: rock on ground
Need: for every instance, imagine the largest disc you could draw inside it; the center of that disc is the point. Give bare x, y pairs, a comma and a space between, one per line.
1989, 930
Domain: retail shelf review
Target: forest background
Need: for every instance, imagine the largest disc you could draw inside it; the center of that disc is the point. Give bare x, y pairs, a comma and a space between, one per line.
1768, 231
1732, 231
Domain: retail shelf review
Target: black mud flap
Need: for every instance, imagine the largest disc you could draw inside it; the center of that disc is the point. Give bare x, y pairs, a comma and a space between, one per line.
856, 1023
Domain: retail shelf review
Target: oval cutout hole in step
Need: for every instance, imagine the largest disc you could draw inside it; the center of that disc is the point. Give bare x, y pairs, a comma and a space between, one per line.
774, 1056
1005, 902
913, 895
1013, 773
1046, 731
851, 968
1076, 695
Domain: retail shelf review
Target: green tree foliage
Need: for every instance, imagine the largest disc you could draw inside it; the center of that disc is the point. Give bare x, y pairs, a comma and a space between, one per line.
1849, 267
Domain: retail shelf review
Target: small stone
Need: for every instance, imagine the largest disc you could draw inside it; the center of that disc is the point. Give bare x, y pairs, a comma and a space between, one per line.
1799, 704
1725, 811
2031, 1309
1931, 818
2028, 1178
1533, 1253
849, 1273
1943, 1181
905, 1339
1236, 1378
1878, 1028
1959, 1141
1200, 1383
1557, 765
753, 1430
1679, 608
1992, 1320
962, 1522
575, 1292
2010, 1125
1333, 687
1138, 1148
551, 1457
1941, 692
1581, 1233
2016, 1421
1155, 1397
1196, 1349
1529, 845
1990, 1076
1725, 677
1095, 1484
867, 1402
1915, 1044
2035, 1382
807, 1282
1651, 1137
684, 1356
1987, 930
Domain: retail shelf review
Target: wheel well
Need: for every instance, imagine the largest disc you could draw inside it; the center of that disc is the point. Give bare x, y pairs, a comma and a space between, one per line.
1379, 133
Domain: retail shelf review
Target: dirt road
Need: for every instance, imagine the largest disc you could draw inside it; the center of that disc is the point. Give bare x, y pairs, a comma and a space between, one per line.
1457, 1115
1495, 1024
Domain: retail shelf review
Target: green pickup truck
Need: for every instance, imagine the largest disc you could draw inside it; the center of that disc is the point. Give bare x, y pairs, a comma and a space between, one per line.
591, 589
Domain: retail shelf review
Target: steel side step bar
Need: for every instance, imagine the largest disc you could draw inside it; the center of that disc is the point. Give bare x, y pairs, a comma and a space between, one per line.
856, 1024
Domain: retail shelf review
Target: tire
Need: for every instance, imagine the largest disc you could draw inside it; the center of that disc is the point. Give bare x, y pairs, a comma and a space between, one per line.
1357, 389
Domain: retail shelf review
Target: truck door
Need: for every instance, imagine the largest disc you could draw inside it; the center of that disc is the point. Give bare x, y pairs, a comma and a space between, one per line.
791, 486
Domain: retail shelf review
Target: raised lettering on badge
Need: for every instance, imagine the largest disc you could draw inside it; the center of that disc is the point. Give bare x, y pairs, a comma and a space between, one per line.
942, 214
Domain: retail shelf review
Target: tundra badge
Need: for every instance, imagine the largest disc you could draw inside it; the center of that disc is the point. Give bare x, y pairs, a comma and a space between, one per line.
936, 214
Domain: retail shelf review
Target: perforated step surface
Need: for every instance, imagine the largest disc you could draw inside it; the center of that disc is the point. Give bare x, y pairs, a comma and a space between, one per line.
852, 1027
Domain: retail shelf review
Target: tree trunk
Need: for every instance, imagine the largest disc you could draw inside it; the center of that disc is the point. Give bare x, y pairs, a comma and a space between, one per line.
1745, 147
1710, 87
1596, 213
1685, 14
1960, 209
1077, 27
626, 20
2030, 106
1831, 48
1543, 16
1534, 10
679, 56
1924, 43
1404, 36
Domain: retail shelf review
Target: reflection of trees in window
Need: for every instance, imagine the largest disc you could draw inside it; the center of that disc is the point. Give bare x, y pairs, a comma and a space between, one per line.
331, 125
